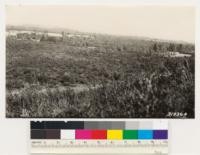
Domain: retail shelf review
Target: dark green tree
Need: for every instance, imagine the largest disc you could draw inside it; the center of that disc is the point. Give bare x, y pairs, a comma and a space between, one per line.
171, 47
179, 48
155, 47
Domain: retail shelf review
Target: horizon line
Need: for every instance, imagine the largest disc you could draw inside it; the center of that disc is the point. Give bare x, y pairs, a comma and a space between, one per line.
99, 33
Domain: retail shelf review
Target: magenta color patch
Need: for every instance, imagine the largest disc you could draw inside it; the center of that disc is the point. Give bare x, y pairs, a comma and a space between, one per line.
83, 134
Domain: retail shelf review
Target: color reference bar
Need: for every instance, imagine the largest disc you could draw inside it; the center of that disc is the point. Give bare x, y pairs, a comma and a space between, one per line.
104, 125
82, 134
99, 137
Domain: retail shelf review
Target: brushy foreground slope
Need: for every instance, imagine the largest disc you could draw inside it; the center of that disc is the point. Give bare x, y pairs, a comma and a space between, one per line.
105, 78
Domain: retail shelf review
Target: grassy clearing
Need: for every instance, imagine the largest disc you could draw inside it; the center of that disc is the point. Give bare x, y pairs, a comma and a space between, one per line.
135, 81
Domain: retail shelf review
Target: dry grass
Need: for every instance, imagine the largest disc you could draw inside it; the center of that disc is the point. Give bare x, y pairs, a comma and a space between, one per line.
133, 84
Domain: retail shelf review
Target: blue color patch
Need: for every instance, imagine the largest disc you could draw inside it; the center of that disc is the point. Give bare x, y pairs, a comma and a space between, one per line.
145, 134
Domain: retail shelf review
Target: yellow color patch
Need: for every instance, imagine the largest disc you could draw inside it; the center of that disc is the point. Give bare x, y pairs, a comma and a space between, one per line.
114, 134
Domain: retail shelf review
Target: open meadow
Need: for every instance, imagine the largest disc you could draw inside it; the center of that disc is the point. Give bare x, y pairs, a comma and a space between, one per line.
99, 76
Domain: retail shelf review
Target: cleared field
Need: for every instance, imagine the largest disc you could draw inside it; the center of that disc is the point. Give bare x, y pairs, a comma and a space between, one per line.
117, 77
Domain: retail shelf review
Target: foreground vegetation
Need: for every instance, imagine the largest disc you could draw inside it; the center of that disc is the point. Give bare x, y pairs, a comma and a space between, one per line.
124, 77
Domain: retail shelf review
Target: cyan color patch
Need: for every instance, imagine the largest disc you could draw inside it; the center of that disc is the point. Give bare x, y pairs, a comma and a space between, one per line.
145, 134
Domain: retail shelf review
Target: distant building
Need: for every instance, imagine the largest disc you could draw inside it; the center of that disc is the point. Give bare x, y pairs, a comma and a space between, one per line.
23, 36
45, 36
66, 35
54, 34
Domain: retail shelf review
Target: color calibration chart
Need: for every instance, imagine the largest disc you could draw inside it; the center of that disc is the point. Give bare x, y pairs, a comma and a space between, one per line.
99, 137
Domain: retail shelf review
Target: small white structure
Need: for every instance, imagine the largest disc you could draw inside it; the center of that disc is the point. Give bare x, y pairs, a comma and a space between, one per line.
54, 34
11, 33
176, 54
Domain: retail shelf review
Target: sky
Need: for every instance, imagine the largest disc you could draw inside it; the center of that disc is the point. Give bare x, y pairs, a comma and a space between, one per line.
162, 22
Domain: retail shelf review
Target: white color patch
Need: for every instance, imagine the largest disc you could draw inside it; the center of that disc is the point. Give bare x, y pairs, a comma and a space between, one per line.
67, 134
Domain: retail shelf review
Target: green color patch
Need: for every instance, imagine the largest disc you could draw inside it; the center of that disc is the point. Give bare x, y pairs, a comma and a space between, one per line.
130, 134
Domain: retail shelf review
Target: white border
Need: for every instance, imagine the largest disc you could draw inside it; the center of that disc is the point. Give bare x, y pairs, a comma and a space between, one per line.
94, 2
113, 2
184, 134
2, 59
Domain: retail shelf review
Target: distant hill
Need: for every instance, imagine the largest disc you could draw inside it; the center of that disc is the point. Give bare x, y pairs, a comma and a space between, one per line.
39, 28
59, 30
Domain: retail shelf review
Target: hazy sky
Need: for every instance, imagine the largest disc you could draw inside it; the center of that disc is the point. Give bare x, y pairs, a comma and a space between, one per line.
165, 22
